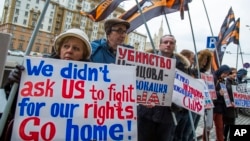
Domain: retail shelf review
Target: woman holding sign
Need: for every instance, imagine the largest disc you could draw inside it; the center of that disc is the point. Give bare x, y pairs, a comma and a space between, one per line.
70, 45
231, 112
219, 103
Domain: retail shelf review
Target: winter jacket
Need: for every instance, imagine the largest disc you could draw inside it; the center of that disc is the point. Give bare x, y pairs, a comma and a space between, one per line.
200, 55
219, 103
231, 112
101, 52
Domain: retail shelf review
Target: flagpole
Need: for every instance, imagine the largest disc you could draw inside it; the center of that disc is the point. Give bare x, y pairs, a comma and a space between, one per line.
146, 26
14, 88
189, 112
239, 51
165, 15
216, 52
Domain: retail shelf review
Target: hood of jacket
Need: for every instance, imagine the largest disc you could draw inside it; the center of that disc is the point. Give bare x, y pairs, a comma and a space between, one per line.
202, 54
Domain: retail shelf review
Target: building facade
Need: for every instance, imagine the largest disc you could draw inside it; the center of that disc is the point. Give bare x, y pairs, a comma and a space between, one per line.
20, 18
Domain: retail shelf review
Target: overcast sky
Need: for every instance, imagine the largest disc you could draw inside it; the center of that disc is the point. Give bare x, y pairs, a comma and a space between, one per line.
217, 11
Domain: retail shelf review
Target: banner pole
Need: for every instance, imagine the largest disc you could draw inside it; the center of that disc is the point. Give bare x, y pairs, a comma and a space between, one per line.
146, 26
216, 52
14, 88
198, 69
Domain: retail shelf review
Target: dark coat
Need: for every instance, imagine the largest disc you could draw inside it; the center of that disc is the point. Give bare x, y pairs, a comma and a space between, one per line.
230, 112
219, 103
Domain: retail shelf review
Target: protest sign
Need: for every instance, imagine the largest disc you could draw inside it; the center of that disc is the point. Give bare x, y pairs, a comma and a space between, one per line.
225, 95
207, 98
209, 80
154, 75
241, 99
73, 100
188, 92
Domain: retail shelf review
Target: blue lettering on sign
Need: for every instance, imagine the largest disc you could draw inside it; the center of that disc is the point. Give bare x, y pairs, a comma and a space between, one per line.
44, 69
93, 132
72, 71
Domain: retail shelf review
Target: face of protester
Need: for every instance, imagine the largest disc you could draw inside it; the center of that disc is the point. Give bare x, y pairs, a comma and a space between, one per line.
233, 74
72, 49
167, 45
117, 35
224, 75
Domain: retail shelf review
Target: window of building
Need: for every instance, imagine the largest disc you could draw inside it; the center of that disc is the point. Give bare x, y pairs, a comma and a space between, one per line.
45, 50
15, 19
49, 28
24, 22
37, 1
41, 26
51, 13
17, 12
20, 46
26, 14
27, 6
50, 21
38, 41
18, 3
37, 49
22, 37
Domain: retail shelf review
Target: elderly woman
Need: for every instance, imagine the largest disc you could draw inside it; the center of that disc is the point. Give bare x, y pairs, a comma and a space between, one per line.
70, 45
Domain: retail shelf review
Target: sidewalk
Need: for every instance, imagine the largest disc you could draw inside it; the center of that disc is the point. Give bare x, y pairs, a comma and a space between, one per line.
241, 120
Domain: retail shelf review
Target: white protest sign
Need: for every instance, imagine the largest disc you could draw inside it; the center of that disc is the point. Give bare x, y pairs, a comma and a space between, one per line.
209, 80
73, 100
188, 92
154, 75
207, 98
225, 95
241, 99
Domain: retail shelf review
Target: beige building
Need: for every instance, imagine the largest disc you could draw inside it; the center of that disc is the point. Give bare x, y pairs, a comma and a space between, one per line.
20, 17
156, 39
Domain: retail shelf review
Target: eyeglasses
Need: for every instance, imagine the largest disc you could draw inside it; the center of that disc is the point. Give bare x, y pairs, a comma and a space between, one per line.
120, 31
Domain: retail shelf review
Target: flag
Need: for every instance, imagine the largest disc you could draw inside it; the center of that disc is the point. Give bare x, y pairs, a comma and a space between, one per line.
221, 44
228, 21
102, 10
234, 35
231, 35
151, 9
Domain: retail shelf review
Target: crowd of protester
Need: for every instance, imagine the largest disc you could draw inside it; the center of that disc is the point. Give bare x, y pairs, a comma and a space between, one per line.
155, 123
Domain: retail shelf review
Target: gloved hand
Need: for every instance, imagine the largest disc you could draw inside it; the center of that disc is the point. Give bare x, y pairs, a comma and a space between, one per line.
15, 74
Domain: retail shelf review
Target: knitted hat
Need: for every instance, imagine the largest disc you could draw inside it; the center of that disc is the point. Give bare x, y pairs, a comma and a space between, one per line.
74, 32
223, 69
109, 23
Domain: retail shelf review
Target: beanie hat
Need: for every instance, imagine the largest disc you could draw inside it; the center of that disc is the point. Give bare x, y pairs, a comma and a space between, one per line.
109, 23
74, 32
223, 69
241, 73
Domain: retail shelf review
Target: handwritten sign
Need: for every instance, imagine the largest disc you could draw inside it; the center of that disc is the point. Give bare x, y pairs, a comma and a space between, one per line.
207, 98
154, 75
188, 92
241, 99
209, 80
73, 100
225, 95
